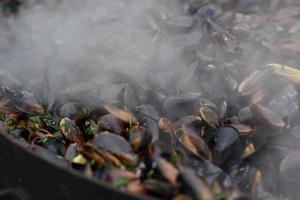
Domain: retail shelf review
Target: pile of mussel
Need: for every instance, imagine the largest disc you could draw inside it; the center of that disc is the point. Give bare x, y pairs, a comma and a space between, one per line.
190, 148
227, 127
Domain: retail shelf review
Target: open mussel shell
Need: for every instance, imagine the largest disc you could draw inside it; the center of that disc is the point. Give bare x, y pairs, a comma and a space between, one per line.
92, 153
193, 141
254, 81
116, 145
121, 114
188, 120
210, 117
71, 131
290, 73
29, 104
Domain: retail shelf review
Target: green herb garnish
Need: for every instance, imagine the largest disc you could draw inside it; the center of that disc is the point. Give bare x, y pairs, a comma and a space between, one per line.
50, 121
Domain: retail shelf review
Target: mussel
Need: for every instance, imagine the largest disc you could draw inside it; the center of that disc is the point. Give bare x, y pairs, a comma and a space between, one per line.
116, 145
71, 131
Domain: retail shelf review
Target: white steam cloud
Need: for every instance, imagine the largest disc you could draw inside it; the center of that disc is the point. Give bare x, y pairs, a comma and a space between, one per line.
78, 41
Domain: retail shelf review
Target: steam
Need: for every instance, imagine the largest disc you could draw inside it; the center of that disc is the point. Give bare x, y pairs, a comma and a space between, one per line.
52, 47
78, 42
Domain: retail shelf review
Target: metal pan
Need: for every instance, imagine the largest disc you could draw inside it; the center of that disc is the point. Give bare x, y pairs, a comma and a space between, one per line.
27, 176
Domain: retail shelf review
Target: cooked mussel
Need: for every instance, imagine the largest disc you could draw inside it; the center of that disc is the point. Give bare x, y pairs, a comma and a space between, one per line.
71, 131
209, 116
195, 186
116, 145
121, 114
139, 138
110, 123
193, 141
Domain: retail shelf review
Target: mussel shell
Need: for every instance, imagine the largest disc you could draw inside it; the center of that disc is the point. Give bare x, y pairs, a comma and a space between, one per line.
71, 152
212, 173
228, 149
147, 110
187, 120
152, 126
139, 138
110, 123
166, 125
242, 128
71, 131
92, 153
55, 146
29, 104
158, 188
254, 81
245, 115
68, 110
117, 145
210, 117
176, 107
266, 117
166, 169
226, 137
193, 185
115, 173
121, 114
193, 141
